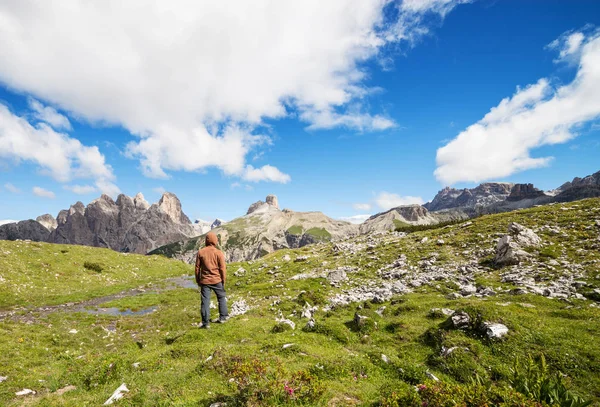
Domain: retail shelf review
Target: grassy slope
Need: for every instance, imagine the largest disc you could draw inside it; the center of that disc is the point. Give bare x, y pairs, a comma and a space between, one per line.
171, 353
45, 274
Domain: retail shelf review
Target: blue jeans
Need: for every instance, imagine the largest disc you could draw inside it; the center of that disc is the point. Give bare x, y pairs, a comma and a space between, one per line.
219, 290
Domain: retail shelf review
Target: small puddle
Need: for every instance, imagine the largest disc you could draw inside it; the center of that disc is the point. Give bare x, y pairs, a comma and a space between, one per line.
114, 311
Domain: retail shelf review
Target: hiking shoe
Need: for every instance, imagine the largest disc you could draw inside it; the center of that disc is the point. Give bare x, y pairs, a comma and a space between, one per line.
220, 320
205, 326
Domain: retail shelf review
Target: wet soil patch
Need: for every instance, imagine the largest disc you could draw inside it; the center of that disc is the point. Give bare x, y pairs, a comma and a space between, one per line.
92, 306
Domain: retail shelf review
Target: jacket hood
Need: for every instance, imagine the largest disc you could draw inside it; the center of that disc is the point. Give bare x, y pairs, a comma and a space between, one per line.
211, 239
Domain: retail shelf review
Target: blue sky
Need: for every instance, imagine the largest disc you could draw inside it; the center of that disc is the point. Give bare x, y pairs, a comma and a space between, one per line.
346, 109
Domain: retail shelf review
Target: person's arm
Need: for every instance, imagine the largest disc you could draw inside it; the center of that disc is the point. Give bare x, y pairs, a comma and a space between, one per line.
222, 267
197, 270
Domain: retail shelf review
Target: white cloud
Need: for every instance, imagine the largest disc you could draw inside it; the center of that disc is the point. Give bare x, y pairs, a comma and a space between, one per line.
356, 218
58, 155
441, 7
265, 173
328, 119
6, 221
569, 46
43, 193
49, 115
159, 190
195, 80
500, 144
362, 206
387, 200
81, 189
11, 188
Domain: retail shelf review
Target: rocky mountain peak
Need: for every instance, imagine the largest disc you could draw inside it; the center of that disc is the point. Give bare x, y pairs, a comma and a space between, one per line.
524, 191
260, 206
47, 221
79, 207
482, 195
272, 200
124, 201
171, 205
216, 223
140, 202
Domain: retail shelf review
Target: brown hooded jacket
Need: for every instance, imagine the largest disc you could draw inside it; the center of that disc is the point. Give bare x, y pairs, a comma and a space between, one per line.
210, 263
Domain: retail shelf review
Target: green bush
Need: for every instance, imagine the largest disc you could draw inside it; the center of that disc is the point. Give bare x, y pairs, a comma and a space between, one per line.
88, 265
441, 394
313, 297
537, 382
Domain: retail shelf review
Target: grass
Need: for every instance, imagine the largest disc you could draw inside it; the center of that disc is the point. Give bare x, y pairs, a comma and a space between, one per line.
165, 361
319, 233
295, 230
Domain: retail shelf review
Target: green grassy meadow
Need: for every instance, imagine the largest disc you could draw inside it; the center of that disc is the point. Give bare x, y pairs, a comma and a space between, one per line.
165, 360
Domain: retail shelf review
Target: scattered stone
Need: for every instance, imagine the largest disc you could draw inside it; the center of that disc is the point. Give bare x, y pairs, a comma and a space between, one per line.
468, 289
240, 272
453, 296
25, 392
310, 325
3, 378
448, 351
301, 259
509, 250
380, 311
73, 331
432, 376
385, 359
65, 389
337, 276
440, 242
495, 331
460, 320
284, 321
287, 345
117, 395
424, 240
136, 365
308, 311
360, 320
239, 308
286, 258
219, 404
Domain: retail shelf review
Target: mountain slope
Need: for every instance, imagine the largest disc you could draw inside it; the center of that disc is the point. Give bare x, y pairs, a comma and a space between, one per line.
264, 229
408, 215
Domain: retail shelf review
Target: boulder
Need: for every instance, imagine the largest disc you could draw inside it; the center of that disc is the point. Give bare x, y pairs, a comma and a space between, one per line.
337, 276
494, 331
460, 320
509, 250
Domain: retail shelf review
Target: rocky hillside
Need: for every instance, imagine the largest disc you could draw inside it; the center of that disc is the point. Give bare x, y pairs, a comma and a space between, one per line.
503, 197
264, 229
125, 225
408, 215
478, 313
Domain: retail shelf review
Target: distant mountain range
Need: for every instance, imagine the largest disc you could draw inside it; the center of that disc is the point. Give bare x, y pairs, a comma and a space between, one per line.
133, 225
125, 225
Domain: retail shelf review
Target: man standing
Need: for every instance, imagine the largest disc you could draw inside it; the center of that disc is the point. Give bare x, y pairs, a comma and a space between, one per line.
211, 273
